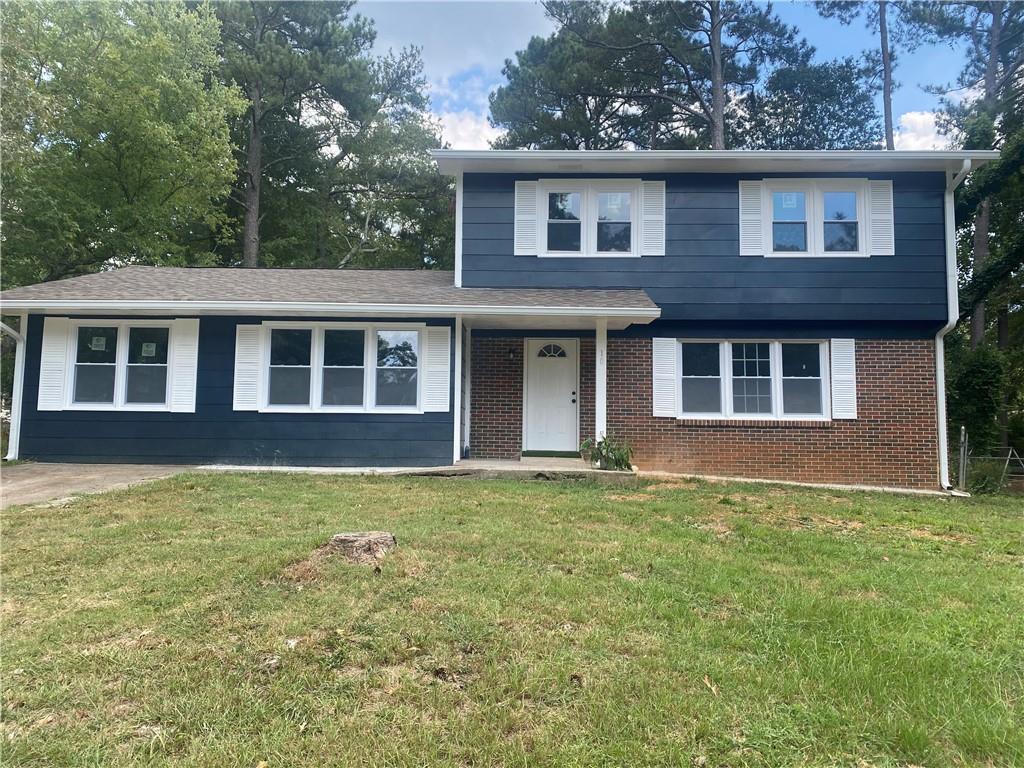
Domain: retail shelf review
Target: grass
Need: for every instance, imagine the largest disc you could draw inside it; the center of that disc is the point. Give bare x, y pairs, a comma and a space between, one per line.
177, 623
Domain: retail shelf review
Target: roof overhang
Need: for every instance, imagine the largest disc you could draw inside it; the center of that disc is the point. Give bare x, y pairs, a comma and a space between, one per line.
510, 316
454, 161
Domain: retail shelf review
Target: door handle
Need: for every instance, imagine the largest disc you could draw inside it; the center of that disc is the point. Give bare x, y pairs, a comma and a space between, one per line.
574, 399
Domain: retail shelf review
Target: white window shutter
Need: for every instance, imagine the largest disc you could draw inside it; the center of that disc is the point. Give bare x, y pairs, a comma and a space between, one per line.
248, 367
665, 377
844, 378
436, 369
652, 218
184, 360
526, 235
53, 364
882, 237
751, 218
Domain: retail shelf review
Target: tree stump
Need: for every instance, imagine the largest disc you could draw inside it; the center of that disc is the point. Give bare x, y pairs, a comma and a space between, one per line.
365, 548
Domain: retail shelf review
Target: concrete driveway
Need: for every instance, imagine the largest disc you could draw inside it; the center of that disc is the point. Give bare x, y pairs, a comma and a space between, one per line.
31, 483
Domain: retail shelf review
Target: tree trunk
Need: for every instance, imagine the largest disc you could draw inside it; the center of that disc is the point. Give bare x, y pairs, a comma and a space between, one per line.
883, 31
717, 78
1003, 340
981, 226
254, 178
982, 220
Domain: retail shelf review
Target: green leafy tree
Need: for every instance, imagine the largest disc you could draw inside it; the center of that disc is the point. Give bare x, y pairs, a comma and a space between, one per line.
815, 106
115, 137
689, 64
989, 117
562, 94
876, 14
298, 64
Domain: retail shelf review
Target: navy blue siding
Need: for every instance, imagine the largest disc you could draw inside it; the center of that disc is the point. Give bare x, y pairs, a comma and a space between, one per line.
215, 434
702, 277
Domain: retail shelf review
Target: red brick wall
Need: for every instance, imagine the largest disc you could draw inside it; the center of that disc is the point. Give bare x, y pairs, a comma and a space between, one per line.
496, 401
893, 441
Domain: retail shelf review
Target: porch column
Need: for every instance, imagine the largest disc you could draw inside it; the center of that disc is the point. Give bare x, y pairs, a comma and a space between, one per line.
20, 338
601, 379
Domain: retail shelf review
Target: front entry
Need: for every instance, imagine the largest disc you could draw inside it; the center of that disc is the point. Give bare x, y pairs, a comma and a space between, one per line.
551, 412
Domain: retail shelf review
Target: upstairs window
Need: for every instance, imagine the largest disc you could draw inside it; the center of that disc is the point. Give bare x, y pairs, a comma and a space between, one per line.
810, 217
614, 222
840, 222
789, 221
565, 222
589, 218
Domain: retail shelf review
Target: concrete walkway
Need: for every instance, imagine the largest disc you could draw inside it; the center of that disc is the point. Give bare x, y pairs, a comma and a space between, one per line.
32, 483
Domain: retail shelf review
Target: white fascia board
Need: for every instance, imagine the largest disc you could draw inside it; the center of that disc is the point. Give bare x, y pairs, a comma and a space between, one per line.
305, 308
452, 162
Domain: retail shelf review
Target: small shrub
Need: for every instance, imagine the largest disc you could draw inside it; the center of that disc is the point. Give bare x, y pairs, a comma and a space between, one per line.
608, 453
986, 476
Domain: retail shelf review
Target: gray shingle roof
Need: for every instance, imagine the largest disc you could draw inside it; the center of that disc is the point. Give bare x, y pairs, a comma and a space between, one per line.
398, 288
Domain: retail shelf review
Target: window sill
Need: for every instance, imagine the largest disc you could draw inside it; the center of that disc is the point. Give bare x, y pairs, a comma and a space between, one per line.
804, 423
589, 255
839, 255
307, 409
136, 408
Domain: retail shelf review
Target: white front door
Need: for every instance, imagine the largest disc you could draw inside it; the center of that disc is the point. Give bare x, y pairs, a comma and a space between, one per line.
552, 388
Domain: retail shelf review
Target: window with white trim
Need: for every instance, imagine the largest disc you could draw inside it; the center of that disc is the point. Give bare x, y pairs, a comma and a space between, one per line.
120, 365
753, 379
397, 368
340, 367
589, 218
807, 217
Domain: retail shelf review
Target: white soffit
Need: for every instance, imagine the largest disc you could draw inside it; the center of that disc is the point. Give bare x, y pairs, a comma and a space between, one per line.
453, 161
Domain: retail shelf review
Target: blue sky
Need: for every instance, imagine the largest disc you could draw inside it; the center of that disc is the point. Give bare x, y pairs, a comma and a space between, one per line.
465, 43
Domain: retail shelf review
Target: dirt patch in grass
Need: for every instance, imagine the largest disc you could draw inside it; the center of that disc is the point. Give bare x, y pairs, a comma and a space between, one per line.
639, 496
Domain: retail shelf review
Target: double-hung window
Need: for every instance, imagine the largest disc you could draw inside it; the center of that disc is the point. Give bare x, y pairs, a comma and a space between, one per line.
589, 218
342, 368
754, 379
808, 217
120, 365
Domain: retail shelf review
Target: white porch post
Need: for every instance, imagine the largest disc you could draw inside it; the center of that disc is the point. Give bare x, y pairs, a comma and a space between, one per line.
457, 386
601, 379
20, 337
467, 397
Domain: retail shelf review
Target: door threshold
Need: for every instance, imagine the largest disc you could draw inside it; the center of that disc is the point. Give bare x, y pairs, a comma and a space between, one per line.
551, 454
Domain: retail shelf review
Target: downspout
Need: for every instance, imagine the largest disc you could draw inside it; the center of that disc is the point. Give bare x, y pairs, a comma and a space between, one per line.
953, 315
14, 436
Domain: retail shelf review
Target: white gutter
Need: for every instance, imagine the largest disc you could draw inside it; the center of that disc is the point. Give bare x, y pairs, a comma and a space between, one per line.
14, 436
953, 315
322, 308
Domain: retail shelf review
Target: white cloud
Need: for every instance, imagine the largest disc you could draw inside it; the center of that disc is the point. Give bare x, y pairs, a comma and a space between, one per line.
917, 130
467, 130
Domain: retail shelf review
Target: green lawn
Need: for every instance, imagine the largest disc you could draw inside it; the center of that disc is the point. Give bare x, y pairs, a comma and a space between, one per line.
517, 624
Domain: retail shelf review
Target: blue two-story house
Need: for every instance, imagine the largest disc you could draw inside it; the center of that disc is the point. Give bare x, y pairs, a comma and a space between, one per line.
772, 315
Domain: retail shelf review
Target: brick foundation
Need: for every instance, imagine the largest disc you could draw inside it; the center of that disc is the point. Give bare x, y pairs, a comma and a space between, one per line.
893, 442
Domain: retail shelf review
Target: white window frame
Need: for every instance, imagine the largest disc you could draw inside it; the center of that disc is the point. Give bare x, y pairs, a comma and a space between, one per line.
775, 358
317, 367
589, 190
120, 365
814, 193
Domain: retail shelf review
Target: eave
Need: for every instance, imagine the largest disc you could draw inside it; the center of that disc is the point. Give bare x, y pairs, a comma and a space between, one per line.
453, 161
